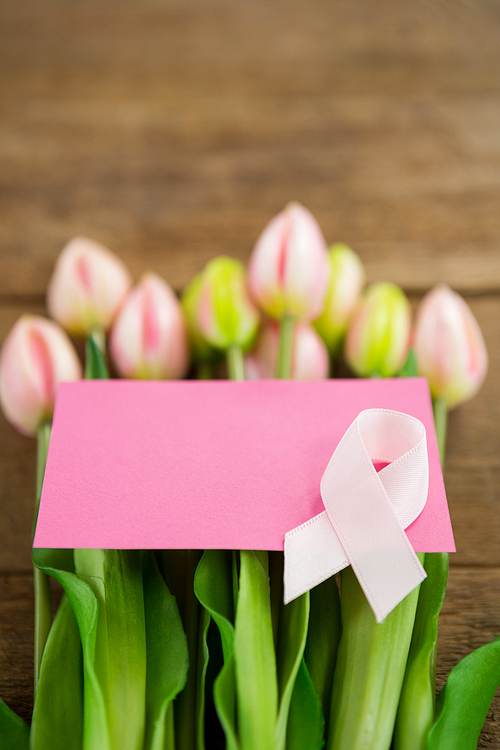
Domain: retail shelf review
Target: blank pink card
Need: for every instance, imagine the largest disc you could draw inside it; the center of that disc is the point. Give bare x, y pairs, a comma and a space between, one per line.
211, 464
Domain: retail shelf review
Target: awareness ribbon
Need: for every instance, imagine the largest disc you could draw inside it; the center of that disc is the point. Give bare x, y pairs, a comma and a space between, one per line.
366, 513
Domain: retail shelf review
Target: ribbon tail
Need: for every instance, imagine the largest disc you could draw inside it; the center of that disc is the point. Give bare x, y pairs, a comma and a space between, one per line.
313, 553
383, 597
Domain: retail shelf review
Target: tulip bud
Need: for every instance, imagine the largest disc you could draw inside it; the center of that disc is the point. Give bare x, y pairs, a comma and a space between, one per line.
36, 356
88, 285
347, 279
449, 346
309, 354
226, 317
378, 337
148, 339
289, 271
201, 351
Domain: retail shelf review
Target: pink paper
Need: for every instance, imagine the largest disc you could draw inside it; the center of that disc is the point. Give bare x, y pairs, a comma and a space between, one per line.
211, 464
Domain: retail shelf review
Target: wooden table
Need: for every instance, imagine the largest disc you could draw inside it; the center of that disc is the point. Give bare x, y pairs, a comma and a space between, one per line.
172, 130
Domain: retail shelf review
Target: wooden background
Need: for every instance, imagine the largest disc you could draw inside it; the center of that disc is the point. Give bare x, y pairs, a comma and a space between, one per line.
173, 130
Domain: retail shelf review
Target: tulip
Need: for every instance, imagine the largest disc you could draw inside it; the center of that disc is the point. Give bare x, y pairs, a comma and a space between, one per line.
202, 353
36, 356
347, 279
88, 286
449, 346
148, 338
309, 354
378, 337
289, 271
227, 319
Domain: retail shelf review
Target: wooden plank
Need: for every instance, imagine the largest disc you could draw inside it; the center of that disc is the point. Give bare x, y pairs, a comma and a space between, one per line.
118, 48
470, 618
168, 185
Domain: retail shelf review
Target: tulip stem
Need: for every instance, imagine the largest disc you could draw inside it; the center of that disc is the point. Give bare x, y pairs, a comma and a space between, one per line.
285, 350
235, 363
41, 583
440, 420
95, 355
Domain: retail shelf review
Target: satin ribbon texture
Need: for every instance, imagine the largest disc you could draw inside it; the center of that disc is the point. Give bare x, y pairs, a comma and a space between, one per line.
366, 513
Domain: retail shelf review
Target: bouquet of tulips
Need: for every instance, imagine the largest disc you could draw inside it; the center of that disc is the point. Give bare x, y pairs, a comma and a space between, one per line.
184, 649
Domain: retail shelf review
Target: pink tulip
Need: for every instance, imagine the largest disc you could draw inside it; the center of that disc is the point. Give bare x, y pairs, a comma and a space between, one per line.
378, 338
36, 356
149, 338
289, 271
88, 285
309, 360
449, 346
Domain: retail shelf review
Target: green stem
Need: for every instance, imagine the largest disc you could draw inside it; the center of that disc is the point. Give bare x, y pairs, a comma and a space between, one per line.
95, 355
441, 422
285, 350
203, 371
186, 706
235, 363
370, 668
41, 583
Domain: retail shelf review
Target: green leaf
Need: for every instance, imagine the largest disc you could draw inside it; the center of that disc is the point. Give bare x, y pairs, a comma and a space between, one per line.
167, 657
201, 674
95, 364
416, 705
369, 672
410, 367
305, 718
115, 577
62, 559
58, 712
213, 586
225, 702
86, 609
292, 636
463, 703
255, 661
323, 639
14, 732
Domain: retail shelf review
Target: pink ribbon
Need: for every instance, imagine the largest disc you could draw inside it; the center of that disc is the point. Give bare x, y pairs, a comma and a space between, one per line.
366, 513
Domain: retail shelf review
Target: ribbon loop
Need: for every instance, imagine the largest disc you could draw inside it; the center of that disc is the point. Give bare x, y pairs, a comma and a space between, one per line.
366, 512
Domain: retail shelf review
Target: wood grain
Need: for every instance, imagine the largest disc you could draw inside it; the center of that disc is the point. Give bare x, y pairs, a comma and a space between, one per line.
173, 131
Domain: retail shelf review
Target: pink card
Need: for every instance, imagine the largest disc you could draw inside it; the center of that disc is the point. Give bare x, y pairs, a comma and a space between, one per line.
211, 464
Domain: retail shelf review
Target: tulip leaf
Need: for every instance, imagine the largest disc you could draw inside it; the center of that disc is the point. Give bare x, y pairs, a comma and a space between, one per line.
255, 661
95, 363
86, 609
167, 657
213, 585
62, 559
115, 577
305, 719
14, 732
225, 702
463, 703
214, 589
323, 639
58, 712
416, 704
292, 634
